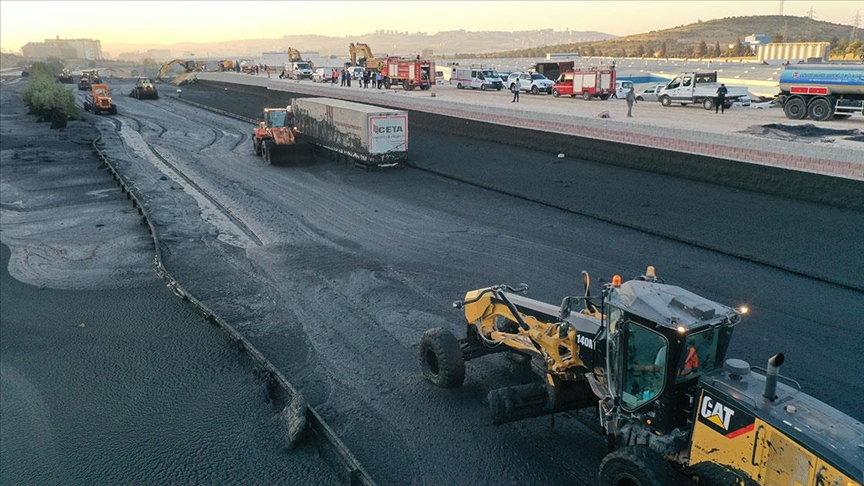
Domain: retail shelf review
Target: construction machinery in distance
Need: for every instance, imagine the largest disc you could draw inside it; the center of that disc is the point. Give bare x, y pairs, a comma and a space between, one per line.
144, 89
88, 78
188, 66
226, 66
65, 76
368, 61
651, 358
395, 70
100, 100
277, 140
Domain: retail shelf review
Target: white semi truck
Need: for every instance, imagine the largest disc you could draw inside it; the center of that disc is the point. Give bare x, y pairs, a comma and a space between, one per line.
369, 136
698, 88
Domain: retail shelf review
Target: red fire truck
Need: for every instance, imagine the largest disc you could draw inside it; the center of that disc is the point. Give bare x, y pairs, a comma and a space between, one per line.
588, 83
410, 73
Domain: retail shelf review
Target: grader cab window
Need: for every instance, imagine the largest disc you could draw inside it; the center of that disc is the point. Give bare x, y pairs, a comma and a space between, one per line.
644, 366
703, 353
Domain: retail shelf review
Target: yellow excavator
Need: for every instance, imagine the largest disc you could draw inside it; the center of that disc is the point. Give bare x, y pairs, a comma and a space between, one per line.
189, 66
294, 56
368, 61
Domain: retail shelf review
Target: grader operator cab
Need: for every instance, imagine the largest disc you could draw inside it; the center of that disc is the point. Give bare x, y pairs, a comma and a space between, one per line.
652, 358
277, 140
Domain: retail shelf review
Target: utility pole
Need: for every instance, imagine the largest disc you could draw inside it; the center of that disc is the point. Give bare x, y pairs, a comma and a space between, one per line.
785, 23
855, 22
810, 17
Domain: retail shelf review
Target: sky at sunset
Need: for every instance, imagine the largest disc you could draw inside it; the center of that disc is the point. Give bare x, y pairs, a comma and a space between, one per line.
166, 22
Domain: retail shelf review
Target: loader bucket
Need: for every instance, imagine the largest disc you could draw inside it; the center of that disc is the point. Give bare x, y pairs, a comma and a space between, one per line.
298, 153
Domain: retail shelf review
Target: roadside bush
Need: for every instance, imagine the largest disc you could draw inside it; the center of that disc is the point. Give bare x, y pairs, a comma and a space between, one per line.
49, 100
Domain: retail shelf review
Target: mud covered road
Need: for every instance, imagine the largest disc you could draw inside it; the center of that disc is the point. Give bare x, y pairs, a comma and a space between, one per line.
335, 273
106, 376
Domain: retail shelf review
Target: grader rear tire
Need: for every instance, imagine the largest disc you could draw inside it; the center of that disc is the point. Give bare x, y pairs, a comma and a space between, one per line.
441, 360
635, 466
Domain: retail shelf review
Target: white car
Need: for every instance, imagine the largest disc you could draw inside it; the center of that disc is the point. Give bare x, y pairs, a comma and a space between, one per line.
534, 83
743, 101
650, 93
322, 75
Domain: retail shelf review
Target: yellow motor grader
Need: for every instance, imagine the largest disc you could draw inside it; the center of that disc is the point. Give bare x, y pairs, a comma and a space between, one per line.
652, 358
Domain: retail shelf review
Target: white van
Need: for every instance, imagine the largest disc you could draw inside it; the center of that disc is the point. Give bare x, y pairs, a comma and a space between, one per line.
476, 78
621, 89
356, 72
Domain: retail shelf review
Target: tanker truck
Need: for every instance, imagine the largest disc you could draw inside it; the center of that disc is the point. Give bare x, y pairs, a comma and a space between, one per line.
822, 91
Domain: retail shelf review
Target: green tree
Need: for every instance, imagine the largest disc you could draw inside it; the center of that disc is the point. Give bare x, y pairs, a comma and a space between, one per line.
48, 99
855, 47
777, 37
640, 51
591, 51
717, 52
701, 49
662, 52
623, 52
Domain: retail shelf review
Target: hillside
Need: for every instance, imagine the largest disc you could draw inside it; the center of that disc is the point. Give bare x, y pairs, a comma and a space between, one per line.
685, 40
381, 42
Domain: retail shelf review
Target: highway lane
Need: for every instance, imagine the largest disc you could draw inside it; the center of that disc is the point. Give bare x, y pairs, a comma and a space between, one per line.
354, 266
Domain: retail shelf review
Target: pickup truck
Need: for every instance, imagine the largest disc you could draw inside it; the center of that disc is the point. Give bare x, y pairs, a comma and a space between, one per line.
698, 88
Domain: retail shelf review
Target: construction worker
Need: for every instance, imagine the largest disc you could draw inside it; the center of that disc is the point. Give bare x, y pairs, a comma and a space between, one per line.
691, 363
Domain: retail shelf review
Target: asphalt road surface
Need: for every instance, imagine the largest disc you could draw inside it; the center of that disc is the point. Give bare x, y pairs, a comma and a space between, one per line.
335, 273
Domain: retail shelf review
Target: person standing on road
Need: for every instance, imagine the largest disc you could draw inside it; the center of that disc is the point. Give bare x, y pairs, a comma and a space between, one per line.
721, 99
379, 79
631, 100
515, 90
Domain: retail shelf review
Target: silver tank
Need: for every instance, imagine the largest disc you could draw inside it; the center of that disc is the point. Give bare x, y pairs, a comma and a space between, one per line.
840, 79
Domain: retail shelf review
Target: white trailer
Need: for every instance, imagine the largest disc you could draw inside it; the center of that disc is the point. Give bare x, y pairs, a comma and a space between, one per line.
698, 88
370, 136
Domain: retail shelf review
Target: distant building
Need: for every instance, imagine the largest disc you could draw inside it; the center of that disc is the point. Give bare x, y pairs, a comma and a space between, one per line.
88, 49
793, 51
756, 40
551, 56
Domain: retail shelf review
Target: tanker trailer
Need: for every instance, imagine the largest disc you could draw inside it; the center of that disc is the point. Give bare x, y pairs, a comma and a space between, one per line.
821, 91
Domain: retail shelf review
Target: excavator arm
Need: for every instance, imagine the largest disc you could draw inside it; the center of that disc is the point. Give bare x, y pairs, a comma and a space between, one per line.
190, 66
294, 55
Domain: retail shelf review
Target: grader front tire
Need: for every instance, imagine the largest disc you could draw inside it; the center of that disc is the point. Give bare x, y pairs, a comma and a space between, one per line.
441, 360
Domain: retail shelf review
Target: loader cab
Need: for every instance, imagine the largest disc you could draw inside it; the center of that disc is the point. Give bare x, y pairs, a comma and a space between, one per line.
278, 118
661, 340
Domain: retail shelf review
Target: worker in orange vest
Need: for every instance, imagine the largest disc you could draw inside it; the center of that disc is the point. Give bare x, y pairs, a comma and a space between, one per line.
691, 364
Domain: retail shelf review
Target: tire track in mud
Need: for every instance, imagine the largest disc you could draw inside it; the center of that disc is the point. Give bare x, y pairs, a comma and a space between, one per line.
212, 209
